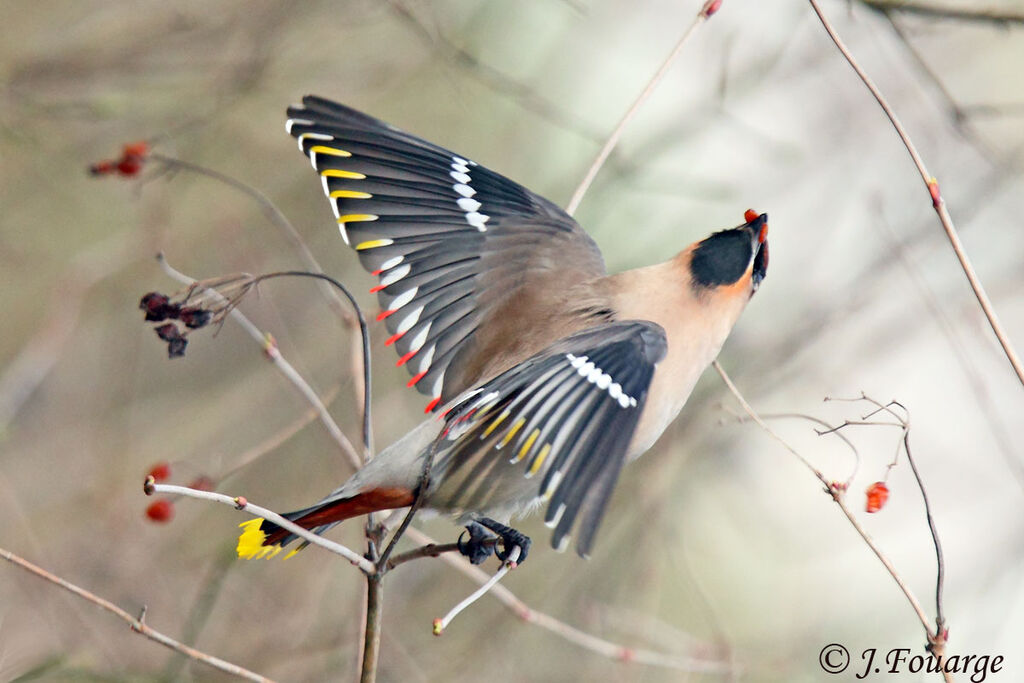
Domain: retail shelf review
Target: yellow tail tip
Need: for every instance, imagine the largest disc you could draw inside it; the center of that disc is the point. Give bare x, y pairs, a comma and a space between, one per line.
250, 543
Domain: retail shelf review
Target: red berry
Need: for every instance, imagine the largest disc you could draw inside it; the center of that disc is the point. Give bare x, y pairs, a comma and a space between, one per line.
129, 166
160, 471
161, 511
135, 149
878, 494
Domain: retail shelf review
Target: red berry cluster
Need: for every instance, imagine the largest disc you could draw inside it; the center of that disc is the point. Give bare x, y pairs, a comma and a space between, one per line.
162, 510
159, 307
133, 156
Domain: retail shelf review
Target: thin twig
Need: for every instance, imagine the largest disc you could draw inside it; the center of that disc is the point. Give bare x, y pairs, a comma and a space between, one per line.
836, 492
364, 332
277, 217
270, 210
810, 418
421, 493
441, 624
428, 550
137, 624
241, 503
983, 399
940, 620
938, 202
279, 361
565, 631
763, 425
706, 11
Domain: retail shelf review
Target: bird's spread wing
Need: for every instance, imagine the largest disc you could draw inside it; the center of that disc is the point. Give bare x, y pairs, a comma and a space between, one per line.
450, 241
563, 418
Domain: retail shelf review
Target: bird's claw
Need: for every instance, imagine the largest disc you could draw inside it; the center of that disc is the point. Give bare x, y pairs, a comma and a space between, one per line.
480, 545
510, 538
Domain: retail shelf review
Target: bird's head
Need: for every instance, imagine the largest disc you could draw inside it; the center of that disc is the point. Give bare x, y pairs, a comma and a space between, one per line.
735, 259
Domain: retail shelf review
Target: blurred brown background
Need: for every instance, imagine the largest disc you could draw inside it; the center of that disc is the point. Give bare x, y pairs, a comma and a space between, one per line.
717, 535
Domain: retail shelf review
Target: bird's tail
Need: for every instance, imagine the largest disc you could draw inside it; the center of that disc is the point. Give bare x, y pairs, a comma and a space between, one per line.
263, 539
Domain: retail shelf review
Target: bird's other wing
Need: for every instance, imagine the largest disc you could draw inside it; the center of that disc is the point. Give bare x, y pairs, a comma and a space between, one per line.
564, 419
452, 243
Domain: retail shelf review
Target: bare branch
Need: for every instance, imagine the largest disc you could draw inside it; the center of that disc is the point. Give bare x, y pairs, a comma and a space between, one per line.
240, 503
428, 550
706, 11
270, 210
137, 624
279, 361
335, 302
572, 634
810, 418
837, 491
421, 491
938, 202
441, 624
761, 423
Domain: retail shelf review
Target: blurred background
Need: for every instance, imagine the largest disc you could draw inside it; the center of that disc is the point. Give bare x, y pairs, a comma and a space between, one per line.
718, 543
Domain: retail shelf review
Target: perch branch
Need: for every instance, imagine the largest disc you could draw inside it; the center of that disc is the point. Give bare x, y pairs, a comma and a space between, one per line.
240, 503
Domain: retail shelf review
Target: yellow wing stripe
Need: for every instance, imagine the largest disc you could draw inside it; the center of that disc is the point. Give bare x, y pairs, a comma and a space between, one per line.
357, 217
338, 173
494, 425
350, 194
512, 432
526, 446
538, 462
333, 151
372, 244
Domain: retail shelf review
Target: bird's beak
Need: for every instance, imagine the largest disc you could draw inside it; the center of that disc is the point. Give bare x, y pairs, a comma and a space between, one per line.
759, 230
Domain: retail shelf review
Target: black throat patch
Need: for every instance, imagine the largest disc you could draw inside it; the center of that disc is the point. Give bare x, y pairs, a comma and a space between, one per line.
722, 258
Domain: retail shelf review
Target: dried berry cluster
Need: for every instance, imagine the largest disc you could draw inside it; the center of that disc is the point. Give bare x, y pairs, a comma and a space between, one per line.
159, 307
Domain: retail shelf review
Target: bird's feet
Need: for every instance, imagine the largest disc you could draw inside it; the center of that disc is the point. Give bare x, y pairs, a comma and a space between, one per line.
482, 543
